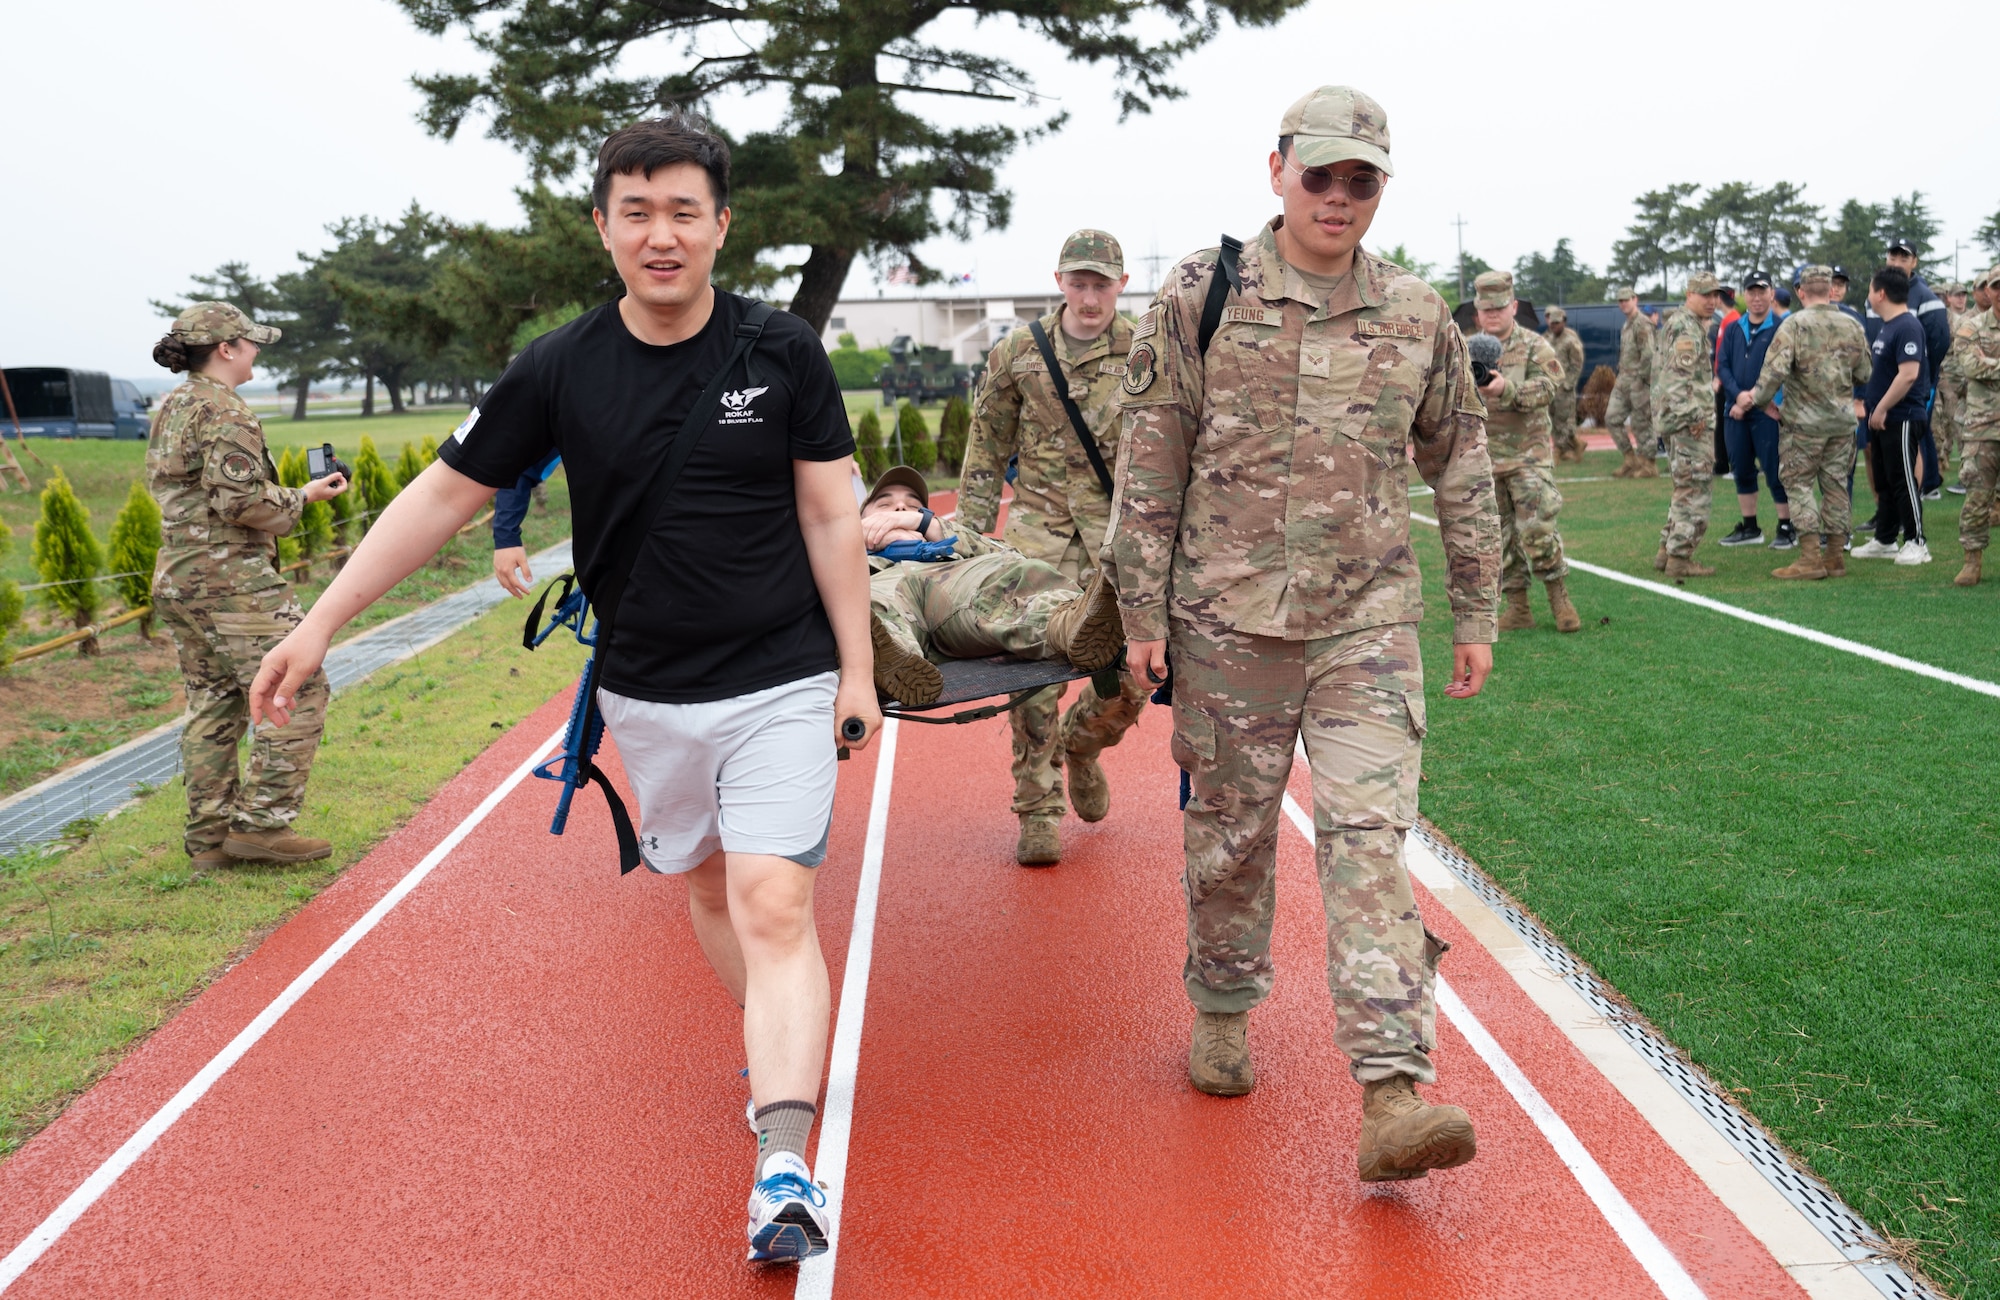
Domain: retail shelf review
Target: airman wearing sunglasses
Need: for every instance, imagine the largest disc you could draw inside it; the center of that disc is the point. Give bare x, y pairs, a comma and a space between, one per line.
1261, 548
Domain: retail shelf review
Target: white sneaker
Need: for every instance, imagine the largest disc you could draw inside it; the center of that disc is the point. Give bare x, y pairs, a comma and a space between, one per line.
1875, 550
1914, 553
749, 1103
787, 1213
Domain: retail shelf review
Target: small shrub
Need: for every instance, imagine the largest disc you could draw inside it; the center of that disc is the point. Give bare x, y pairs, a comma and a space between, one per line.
135, 547
868, 445
372, 479
12, 602
954, 428
408, 466
914, 436
68, 555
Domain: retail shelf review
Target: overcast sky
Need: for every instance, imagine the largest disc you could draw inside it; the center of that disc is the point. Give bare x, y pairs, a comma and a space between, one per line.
145, 142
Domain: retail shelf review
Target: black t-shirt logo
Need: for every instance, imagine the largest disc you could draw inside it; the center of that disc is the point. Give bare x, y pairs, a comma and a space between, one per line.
736, 406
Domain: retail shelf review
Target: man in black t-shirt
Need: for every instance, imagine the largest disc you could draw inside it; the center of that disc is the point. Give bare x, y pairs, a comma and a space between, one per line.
1898, 401
742, 634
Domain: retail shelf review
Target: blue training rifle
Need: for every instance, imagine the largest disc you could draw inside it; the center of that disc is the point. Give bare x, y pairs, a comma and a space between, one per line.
585, 733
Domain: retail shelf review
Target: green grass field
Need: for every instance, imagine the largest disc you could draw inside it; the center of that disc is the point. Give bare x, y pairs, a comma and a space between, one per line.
1783, 854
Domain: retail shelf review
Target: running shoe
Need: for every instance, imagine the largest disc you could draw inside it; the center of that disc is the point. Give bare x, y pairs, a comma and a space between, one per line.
787, 1213
1876, 550
1933, 495
1956, 489
1787, 537
1914, 553
1747, 534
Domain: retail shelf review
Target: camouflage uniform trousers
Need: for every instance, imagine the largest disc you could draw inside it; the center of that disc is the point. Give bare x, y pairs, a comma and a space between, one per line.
1562, 414
1529, 502
1691, 461
221, 641
1240, 705
1044, 736
1815, 473
1980, 467
1640, 410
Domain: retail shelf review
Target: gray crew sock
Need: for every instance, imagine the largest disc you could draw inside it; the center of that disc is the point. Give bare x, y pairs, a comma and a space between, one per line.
783, 1126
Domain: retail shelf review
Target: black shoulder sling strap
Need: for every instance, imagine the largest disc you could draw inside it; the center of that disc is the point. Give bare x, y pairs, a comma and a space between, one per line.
1225, 281
1060, 382
628, 535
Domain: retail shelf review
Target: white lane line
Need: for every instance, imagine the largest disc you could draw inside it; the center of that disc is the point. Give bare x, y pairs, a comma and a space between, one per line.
836, 1124
1832, 642
1648, 1249
52, 1228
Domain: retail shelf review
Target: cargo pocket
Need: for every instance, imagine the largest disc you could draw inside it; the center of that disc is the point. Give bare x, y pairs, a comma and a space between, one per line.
1194, 737
1413, 704
1434, 948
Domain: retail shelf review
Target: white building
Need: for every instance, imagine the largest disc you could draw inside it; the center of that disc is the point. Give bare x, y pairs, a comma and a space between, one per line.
968, 324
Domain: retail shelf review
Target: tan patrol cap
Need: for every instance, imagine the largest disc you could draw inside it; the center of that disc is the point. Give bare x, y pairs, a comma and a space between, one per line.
1493, 288
1622, 292
904, 476
1984, 279
1816, 273
1092, 250
219, 322
1555, 313
1704, 282
1337, 124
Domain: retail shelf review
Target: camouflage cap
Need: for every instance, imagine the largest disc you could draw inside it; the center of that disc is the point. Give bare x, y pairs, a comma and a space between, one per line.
1555, 313
1987, 278
1950, 286
1704, 282
1338, 124
1622, 292
1493, 288
219, 322
903, 476
1092, 250
1815, 273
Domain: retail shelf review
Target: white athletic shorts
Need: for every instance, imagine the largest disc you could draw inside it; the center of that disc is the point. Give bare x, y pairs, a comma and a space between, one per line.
751, 774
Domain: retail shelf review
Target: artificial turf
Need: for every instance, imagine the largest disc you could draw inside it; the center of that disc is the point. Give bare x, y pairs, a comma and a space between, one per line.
1786, 856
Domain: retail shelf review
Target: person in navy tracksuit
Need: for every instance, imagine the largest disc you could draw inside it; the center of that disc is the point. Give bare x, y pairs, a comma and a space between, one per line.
510, 507
1753, 441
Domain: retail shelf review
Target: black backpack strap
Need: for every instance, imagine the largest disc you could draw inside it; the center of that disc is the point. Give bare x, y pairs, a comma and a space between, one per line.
1060, 382
1225, 281
632, 533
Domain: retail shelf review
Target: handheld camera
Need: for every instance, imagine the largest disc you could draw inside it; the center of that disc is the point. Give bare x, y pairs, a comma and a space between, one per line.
321, 462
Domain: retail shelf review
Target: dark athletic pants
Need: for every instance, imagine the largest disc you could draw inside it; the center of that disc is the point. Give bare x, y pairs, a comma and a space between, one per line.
1901, 507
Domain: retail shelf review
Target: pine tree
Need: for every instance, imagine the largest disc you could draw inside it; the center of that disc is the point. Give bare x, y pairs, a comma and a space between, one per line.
313, 535
135, 546
954, 427
408, 465
372, 479
340, 516
68, 555
428, 450
868, 445
11, 601
918, 451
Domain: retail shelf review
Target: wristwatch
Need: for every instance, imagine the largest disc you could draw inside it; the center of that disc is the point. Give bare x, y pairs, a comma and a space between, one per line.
924, 520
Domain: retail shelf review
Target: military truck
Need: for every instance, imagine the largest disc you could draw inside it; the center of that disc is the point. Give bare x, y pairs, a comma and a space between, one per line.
56, 402
924, 374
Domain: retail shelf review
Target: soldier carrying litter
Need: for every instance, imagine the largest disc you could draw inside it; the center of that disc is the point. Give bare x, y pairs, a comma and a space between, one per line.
1061, 510
1975, 362
1524, 384
1262, 548
1684, 408
1562, 410
1631, 396
218, 591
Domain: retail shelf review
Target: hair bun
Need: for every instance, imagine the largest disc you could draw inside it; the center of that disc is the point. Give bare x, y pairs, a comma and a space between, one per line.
171, 353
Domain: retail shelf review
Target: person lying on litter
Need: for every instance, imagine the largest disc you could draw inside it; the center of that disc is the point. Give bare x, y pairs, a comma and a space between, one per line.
965, 596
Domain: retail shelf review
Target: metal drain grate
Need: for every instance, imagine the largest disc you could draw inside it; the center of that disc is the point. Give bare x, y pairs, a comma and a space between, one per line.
1848, 1232
108, 782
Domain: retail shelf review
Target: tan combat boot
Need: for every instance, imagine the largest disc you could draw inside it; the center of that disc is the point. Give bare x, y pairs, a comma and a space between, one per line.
1809, 566
1689, 568
1833, 556
1040, 844
1649, 467
1567, 619
1660, 559
1219, 1056
1517, 615
1627, 465
209, 859
1088, 631
900, 672
1089, 792
1404, 1136
279, 845
1969, 575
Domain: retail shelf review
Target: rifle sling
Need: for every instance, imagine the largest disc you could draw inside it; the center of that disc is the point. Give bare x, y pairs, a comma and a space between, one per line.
1060, 382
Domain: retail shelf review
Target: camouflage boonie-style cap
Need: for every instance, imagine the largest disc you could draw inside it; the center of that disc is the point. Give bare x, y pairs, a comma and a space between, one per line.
1493, 288
1704, 282
1338, 124
1555, 313
1815, 273
1092, 250
219, 322
1622, 292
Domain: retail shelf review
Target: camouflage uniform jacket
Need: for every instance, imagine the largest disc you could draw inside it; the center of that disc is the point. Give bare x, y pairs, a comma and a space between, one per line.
1518, 429
1017, 412
1265, 487
1682, 373
1569, 351
221, 505
970, 545
1635, 351
1817, 356
1975, 355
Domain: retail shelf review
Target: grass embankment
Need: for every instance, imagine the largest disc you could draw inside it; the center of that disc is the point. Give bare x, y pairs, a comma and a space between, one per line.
1783, 854
61, 708
101, 944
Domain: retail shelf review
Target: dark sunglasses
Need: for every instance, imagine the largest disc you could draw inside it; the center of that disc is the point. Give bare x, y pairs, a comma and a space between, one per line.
1362, 185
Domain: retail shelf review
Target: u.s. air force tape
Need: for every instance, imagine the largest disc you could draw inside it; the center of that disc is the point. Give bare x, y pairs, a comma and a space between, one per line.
1139, 369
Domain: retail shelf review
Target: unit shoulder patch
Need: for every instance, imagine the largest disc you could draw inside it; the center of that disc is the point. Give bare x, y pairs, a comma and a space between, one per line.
238, 467
1140, 369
